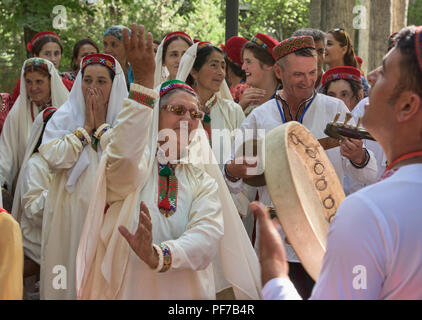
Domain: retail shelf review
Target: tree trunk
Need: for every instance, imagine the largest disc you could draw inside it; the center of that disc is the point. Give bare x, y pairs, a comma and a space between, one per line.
400, 8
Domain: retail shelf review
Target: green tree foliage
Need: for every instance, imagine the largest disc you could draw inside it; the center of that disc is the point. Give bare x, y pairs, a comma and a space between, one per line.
415, 12
279, 18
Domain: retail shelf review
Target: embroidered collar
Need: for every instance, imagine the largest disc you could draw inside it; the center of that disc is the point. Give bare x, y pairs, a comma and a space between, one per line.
300, 110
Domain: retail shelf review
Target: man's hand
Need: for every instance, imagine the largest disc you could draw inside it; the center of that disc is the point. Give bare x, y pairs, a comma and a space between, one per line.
353, 150
141, 241
242, 168
140, 55
272, 255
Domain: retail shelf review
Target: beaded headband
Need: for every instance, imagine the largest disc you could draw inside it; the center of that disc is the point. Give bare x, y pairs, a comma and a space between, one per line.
116, 31
418, 45
204, 44
39, 36
291, 45
36, 62
104, 59
170, 85
345, 73
178, 34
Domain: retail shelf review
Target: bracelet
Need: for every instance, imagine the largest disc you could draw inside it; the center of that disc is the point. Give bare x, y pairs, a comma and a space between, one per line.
83, 136
229, 176
160, 258
101, 130
166, 257
365, 163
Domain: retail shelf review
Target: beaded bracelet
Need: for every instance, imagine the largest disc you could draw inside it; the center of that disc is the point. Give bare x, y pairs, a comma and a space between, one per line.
365, 163
160, 258
166, 257
83, 136
101, 130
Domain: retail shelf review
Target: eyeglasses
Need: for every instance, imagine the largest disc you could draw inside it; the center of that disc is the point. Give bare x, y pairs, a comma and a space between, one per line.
180, 110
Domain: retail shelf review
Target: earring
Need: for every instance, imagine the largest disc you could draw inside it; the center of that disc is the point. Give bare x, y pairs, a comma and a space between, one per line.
195, 84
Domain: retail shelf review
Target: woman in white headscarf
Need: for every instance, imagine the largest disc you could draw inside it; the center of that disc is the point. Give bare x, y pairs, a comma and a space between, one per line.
168, 56
184, 204
41, 87
72, 145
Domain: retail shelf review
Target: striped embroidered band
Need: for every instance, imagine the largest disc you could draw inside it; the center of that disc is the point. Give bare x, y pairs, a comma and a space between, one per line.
291, 45
104, 59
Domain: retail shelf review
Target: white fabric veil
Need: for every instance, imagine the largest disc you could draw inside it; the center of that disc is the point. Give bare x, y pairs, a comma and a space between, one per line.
72, 116
161, 73
238, 259
59, 95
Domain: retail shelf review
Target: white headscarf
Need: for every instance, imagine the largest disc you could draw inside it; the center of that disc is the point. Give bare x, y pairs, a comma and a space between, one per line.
35, 134
238, 258
161, 73
59, 95
186, 65
72, 116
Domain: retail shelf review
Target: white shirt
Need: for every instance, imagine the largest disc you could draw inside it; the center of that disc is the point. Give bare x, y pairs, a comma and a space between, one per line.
322, 110
373, 246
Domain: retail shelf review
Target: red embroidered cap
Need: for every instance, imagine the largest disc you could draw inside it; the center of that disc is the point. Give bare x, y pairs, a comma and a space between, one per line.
104, 59
291, 45
338, 73
233, 49
178, 34
39, 36
265, 42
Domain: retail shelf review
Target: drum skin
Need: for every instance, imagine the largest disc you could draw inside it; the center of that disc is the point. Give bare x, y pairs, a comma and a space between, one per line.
304, 189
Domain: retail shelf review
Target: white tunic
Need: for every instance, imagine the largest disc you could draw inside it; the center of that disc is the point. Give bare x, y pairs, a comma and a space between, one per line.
37, 179
192, 233
321, 111
373, 246
64, 213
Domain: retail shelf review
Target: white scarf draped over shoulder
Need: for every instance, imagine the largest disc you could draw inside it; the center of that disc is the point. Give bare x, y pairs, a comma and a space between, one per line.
72, 116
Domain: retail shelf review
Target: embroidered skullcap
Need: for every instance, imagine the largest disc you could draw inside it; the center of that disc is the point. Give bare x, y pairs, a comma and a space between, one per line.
359, 61
233, 49
170, 85
36, 62
116, 31
178, 34
39, 36
345, 73
265, 42
418, 45
203, 44
104, 59
48, 113
291, 45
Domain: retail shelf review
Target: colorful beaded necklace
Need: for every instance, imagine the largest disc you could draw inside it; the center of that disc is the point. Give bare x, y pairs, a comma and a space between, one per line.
167, 189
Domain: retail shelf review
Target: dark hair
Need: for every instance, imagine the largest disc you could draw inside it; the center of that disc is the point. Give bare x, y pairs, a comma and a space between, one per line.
37, 47
410, 70
76, 48
167, 43
305, 52
157, 42
38, 69
201, 58
316, 34
355, 85
259, 53
110, 72
235, 67
42, 132
344, 39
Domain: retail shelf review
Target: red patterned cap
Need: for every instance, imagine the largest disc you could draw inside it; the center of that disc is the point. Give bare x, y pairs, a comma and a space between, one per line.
104, 59
233, 49
178, 34
291, 45
265, 41
39, 36
203, 44
337, 73
359, 61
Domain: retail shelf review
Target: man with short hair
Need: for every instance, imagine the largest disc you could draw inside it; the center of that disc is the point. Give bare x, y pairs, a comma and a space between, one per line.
373, 245
296, 66
320, 39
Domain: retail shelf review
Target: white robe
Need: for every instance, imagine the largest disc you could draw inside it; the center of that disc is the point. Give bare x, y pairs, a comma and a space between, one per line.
322, 111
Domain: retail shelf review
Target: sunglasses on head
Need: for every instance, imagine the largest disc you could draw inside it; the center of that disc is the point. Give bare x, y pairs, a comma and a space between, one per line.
180, 110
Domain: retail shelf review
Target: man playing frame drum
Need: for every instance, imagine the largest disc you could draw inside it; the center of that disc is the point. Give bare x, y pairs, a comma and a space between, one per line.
373, 245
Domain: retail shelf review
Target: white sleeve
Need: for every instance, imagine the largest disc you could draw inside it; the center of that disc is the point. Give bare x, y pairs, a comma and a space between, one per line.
280, 289
366, 175
198, 245
9, 150
127, 144
354, 263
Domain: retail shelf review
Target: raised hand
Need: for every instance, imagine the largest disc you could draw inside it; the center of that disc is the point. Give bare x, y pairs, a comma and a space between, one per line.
141, 241
89, 112
252, 96
100, 106
140, 55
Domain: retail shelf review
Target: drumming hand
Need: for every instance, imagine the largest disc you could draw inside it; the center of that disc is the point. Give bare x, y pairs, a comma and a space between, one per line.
141, 241
353, 150
242, 167
272, 254
251, 96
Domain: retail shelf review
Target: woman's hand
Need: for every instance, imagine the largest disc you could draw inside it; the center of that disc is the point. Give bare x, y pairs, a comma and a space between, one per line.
100, 107
89, 125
